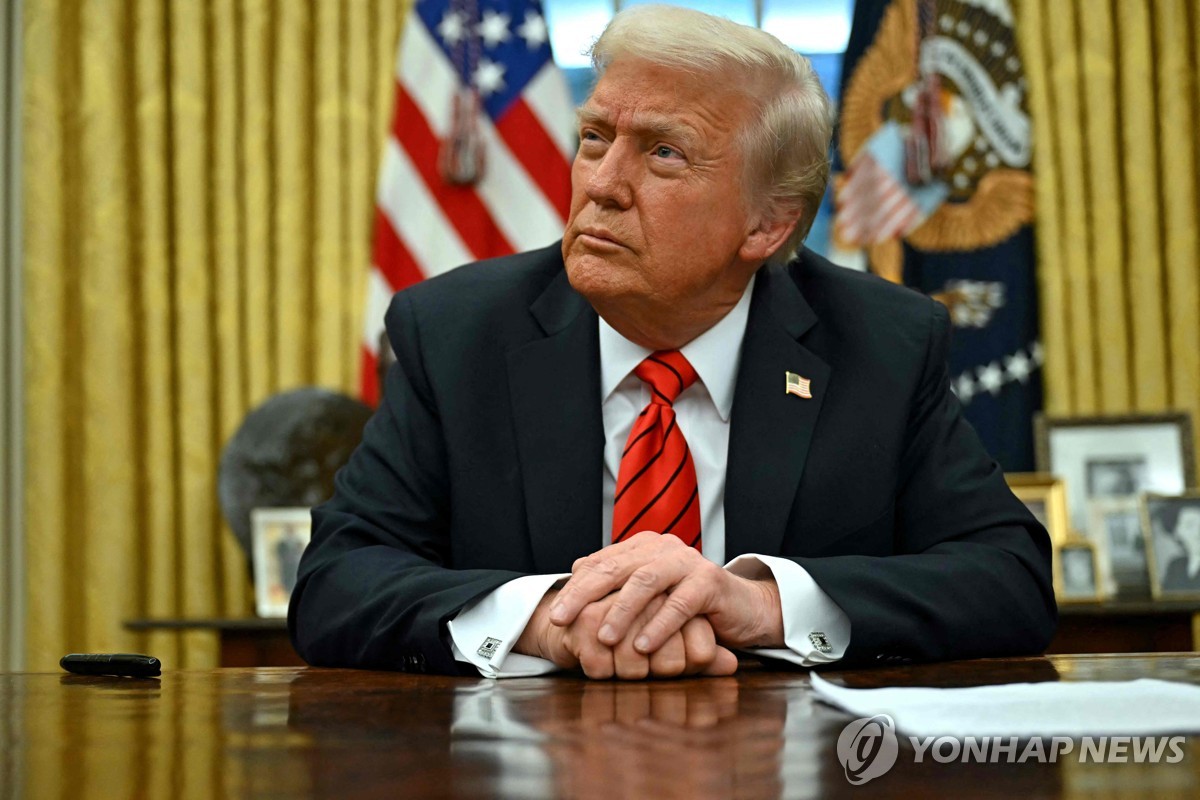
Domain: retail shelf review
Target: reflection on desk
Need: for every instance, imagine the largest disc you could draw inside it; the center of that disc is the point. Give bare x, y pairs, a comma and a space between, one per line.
306, 732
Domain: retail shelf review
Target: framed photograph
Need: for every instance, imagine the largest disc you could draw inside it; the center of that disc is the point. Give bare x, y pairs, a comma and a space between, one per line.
1115, 530
1172, 532
1116, 457
279, 536
1076, 579
1045, 496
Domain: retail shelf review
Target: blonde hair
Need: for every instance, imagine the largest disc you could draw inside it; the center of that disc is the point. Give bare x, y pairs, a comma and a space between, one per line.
786, 148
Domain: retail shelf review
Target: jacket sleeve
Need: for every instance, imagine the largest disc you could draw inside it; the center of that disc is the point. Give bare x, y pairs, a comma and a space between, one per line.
970, 576
375, 586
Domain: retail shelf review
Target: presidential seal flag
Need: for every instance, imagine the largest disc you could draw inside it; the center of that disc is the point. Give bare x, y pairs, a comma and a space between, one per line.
477, 161
933, 189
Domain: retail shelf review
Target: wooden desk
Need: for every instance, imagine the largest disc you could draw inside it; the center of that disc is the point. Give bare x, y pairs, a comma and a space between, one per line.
293, 732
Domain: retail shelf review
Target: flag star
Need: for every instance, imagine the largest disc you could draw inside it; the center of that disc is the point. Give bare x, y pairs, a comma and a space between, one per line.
1018, 366
533, 30
494, 28
991, 377
489, 77
964, 387
1037, 354
453, 27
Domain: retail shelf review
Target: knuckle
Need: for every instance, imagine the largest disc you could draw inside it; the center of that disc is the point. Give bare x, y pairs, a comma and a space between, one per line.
633, 669
670, 666
679, 605
622, 607
644, 578
595, 666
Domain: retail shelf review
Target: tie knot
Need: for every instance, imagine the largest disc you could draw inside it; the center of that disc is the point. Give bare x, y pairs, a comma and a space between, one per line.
667, 373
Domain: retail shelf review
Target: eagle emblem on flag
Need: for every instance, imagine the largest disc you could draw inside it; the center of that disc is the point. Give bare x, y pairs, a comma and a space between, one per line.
798, 385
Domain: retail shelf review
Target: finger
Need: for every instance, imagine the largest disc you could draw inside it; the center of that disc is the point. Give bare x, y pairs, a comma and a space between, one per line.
596, 661
595, 658
633, 599
639, 539
629, 664
700, 643
670, 660
725, 663
602, 573
687, 600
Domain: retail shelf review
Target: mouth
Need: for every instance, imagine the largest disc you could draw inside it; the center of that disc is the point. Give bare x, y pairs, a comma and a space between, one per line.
593, 236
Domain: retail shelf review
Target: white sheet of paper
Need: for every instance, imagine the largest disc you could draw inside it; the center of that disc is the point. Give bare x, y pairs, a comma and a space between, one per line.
1068, 708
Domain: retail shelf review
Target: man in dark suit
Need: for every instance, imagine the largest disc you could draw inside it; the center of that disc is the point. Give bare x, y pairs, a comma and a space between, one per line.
651, 384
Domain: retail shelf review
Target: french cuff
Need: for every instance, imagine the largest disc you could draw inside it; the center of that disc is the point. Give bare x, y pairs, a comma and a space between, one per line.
815, 629
483, 633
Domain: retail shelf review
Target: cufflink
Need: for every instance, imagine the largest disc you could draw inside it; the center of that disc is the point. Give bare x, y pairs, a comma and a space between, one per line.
820, 641
488, 648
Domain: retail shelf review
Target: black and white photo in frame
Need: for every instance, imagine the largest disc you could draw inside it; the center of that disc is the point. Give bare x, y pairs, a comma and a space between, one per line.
1172, 524
1117, 456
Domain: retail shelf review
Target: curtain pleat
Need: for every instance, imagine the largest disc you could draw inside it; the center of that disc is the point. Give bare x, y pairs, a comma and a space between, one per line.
1178, 31
199, 184
1115, 100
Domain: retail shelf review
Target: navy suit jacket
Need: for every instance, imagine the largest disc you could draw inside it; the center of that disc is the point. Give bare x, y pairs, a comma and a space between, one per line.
484, 460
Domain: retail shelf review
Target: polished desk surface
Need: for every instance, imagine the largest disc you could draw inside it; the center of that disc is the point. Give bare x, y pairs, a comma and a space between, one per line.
297, 732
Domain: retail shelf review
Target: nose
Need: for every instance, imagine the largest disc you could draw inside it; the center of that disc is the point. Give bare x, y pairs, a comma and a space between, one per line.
610, 181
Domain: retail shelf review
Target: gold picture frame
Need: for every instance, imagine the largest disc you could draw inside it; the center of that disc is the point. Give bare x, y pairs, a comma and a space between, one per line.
278, 536
1121, 455
1173, 571
1076, 572
1045, 496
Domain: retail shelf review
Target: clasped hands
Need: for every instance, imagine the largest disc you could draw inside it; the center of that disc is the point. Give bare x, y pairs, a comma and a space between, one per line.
651, 606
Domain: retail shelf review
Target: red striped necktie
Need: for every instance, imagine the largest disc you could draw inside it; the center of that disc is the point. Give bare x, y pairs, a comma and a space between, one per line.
656, 483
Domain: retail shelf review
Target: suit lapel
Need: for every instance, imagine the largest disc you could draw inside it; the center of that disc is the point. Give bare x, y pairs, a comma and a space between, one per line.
554, 383
770, 431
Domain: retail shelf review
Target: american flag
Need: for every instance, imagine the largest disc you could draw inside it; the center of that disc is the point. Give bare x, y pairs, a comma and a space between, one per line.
877, 203
797, 385
477, 161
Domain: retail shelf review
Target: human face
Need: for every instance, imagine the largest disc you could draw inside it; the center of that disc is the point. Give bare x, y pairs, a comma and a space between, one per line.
1188, 529
660, 238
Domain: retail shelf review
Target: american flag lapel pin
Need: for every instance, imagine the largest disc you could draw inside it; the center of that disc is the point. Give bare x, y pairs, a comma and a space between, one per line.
798, 385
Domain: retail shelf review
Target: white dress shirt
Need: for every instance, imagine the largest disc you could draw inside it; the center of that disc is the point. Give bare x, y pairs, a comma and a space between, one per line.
816, 630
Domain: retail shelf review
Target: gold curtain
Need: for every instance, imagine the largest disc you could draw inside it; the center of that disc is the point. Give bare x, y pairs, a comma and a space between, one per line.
198, 194
1115, 100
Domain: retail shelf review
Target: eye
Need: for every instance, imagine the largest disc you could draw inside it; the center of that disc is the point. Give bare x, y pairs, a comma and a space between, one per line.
664, 151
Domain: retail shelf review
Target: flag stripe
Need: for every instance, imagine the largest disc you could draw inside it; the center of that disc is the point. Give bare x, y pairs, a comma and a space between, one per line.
550, 102
532, 146
368, 364
534, 221
416, 217
425, 226
459, 204
392, 258
379, 296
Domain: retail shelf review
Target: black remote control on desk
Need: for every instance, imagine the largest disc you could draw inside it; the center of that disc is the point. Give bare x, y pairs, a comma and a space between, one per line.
129, 665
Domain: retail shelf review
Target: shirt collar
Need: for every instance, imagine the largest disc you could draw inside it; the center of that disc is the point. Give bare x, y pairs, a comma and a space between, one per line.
714, 355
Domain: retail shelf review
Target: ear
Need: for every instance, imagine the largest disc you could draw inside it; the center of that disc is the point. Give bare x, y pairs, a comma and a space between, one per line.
770, 234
